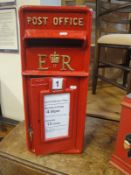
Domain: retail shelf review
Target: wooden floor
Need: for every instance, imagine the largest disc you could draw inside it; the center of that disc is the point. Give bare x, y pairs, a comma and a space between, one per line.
106, 103
100, 137
4, 130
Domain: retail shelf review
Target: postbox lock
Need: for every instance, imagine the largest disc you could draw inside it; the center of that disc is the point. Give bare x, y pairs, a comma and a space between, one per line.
30, 131
127, 144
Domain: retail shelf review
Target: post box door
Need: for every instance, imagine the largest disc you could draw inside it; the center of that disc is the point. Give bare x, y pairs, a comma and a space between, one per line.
53, 115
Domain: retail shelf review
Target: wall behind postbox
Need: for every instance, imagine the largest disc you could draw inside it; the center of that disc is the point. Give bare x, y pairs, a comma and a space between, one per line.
10, 79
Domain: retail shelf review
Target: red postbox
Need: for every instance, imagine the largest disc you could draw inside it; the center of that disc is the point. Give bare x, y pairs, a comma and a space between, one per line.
122, 155
55, 49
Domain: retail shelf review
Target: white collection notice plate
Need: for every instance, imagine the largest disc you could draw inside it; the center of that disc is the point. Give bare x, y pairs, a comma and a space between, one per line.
56, 115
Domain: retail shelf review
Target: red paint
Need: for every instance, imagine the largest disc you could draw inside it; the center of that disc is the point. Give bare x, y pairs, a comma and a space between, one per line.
120, 157
47, 39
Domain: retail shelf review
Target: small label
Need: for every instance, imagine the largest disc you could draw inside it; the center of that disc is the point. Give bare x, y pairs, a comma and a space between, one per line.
73, 87
63, 33
57, 83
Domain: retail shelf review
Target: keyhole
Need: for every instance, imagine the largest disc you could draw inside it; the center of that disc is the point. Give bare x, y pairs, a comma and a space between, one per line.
57, 83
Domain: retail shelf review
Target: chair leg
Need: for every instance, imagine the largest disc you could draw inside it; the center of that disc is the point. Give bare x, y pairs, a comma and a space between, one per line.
126, 63
129, 83
95, 70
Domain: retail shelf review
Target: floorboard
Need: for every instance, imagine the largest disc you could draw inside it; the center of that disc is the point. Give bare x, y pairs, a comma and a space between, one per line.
106, 103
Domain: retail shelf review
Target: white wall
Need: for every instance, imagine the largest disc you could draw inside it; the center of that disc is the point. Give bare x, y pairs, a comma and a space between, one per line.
10, 79
11, 95
11, 86
27, 2
50, 2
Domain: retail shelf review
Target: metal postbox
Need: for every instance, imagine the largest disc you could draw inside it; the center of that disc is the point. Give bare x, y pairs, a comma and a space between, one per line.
122, 155
55, 49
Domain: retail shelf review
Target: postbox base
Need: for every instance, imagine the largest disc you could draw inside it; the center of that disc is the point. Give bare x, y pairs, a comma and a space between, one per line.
120, 164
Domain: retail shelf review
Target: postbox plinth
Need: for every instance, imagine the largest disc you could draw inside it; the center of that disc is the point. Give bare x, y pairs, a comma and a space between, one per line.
55, 50
122, 155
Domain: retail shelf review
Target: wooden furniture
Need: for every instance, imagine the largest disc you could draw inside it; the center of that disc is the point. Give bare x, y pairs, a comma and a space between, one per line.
113, 28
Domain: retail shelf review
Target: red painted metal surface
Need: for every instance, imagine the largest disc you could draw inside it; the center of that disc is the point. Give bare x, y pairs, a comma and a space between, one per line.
55, 43
122, 154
